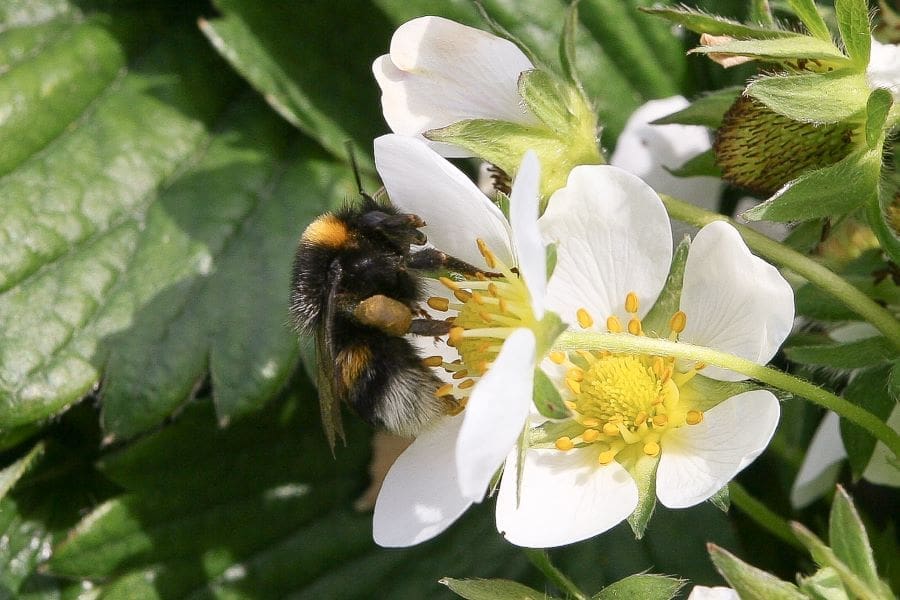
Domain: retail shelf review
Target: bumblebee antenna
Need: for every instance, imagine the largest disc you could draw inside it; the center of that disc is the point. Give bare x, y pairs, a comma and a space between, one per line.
351, 154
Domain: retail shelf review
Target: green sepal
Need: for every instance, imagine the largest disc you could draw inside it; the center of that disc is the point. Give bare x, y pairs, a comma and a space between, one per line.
702, 165
546, 397
844, 355
824, 584
849, 539
876, 218
492, 589
808, 14
11, 474
800, 97
707, 110
868, 390
643, 470
750, 582
656, 322
551, 259
548, 330
825, 557
546, 434
700, 22
721, 499
644, 586
567, 45
761, 12
704, 393
830, 191
878, 108
780, 50
853, 23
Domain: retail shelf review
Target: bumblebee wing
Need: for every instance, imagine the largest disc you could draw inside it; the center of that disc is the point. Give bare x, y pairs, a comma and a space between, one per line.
329, 402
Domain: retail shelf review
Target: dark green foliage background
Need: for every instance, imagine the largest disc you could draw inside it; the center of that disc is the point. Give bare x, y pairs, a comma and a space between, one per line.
156, 170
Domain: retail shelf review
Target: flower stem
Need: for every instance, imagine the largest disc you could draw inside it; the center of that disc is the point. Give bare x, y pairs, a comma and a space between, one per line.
813, 272
541, 560
633, 344
762, 515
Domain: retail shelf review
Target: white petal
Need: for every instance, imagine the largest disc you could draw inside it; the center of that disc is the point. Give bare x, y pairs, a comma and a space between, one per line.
439, 72
613, 237
523, 215
645, 150
881, 469
421, 182
697, 460
734, 301
495, 415
820, 467
884, 68
566, 497
420, 496
701, 592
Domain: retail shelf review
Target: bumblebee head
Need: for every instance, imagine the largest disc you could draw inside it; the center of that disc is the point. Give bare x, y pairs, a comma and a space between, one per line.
399, 229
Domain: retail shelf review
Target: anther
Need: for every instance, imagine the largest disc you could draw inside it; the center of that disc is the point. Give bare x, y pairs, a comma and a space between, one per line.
641, 418
558, 357
678, 322
660, 420
590, 422
584, 318
432, 361
651, 449
449, 283
438, 303
634, 326
462, 295
610, 429
492, 289
503, 305
606, 457
460, 374
613, 325
693, 417
444, 390
455, 335
570, 405
631, 303
699, 366
477, 298
564, 443
466, 384
489, 257
590, 435
575, 374
574, 386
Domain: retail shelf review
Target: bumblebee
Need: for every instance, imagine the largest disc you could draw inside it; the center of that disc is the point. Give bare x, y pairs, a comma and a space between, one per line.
357, 285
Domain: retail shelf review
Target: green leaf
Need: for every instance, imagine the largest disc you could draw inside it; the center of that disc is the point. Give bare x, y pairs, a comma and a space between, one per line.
878, 106
853, 22
829, 191
809, 15
546, 397
749, 582
642, 587
869, 390
25, 543
799, 97
707, 110
700, 22
825, 557
567, 50
11, 474
492, 589
847, 355
702, 165
324, 85
849, 540
779, 49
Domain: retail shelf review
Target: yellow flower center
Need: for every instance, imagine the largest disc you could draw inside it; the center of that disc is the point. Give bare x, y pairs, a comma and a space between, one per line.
487, 310
626, 400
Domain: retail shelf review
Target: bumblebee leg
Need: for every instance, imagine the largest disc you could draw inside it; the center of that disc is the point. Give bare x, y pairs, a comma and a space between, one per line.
432, 259
385, 313
429, 327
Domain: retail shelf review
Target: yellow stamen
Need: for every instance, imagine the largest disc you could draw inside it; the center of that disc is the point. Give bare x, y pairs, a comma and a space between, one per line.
438, 303
590, 435
575, 374
693, 417
678, 322
449, 283
613, 325
590, 422
489, 257
660, 420
455, 335
432, 361
477, 298
584, 318
651, 449
462, 295
634, 326
558, 357
466, 384
574, 386
640, 418
606, 457
444, 390
564, 443
631, 303
610, 429
460, 374
570, 405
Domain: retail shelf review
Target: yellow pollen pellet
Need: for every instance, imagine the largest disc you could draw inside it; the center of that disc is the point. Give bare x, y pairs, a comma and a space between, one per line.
575, 374
432, 361
564, 443
460, 374
570, 405
631, 303
574, 386
584, 318
610, 429
455, 335
678, 322
466, 384
558, 357
634, 327
444, 390
438, 303
462, 295
613, 325
590, 435
693, 417
606, 457
660, 420
449, 283
641, 418
651, 449
590, 422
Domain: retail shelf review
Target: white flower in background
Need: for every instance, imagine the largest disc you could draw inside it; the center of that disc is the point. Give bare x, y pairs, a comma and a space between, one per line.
646, 150
490, 355
701, 592
614, 248
826, 453
884, 68
439, 72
